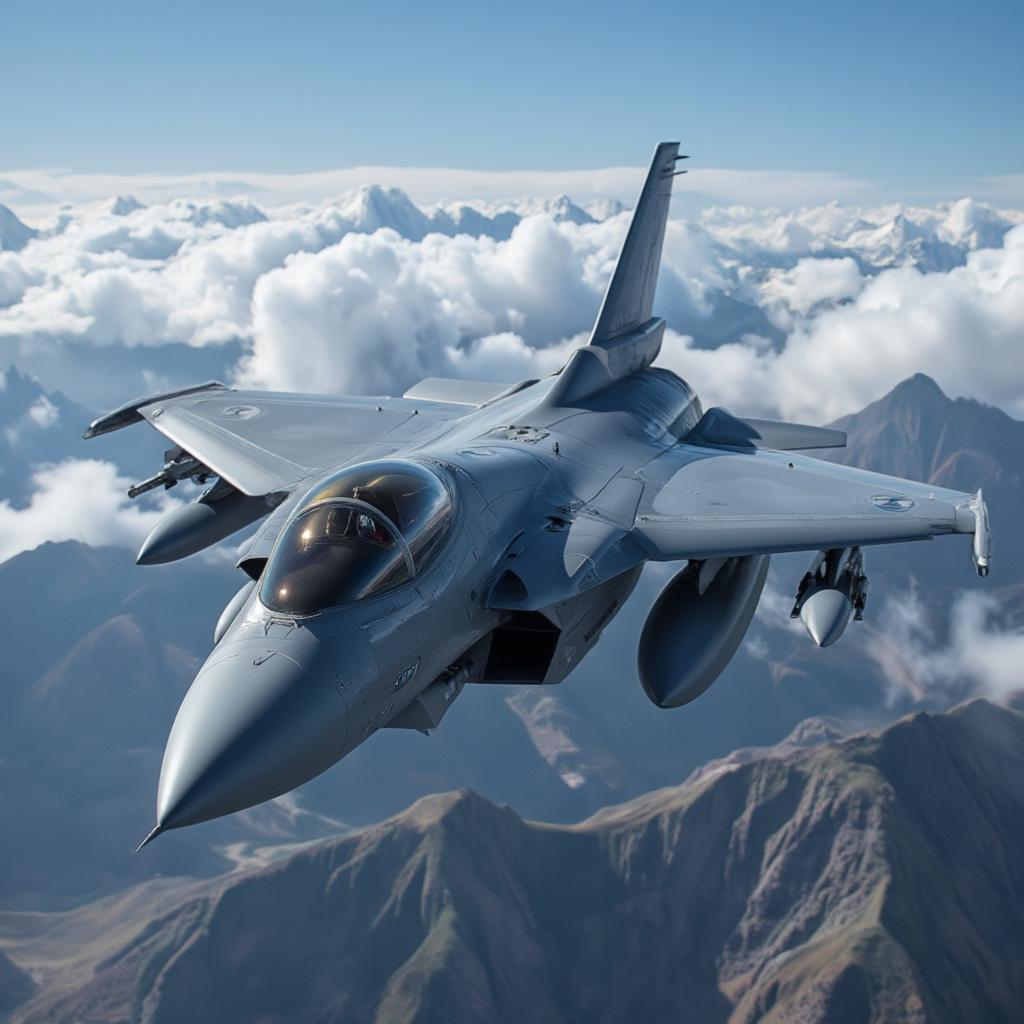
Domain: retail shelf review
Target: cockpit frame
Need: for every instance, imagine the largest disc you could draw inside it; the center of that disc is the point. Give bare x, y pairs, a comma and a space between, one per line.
374, 513
436, 518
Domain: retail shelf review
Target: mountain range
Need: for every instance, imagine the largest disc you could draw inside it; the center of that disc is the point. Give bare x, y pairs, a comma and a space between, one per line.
871, 879
930, 239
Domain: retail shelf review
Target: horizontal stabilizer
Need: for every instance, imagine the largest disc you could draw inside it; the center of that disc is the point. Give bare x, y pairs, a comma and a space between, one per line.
720, 429
459, 392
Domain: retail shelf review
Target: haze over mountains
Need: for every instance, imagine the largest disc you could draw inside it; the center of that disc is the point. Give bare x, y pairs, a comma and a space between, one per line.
872, 879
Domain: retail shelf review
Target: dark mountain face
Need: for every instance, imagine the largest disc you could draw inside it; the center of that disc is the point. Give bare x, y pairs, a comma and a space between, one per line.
918, 432
90, 686
15, 986
872, 879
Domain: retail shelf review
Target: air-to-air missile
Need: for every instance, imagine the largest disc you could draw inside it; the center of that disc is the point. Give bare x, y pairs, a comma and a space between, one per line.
834, 588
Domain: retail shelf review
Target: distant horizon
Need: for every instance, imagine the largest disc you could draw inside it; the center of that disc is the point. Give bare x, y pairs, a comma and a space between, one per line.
40, 192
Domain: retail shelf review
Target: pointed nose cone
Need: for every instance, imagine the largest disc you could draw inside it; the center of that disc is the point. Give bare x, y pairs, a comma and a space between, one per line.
256, 723
825, 614
145, 842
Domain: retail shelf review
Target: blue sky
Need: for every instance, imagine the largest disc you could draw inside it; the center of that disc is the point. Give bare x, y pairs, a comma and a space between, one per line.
915, 95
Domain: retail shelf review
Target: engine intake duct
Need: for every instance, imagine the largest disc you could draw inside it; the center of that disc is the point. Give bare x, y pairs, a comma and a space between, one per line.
695, 626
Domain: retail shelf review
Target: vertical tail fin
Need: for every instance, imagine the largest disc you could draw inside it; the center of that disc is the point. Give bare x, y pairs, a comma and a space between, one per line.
630, 296
626, 338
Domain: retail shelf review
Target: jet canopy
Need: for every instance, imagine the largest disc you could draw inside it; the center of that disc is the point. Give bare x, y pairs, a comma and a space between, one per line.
358, 533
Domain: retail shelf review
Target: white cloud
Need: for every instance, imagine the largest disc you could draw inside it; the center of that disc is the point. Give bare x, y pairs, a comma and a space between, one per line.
43, 413
811, 281
40, 191
375, 313
981, 656
40, 415
963, 327
78, 499
814, 311
15, 277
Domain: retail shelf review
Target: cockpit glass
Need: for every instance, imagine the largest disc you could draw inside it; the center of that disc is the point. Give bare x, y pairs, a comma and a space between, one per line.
358, 533
413, 497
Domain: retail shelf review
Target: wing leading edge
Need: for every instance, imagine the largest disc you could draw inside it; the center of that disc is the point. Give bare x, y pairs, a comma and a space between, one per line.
264, 442
699, 503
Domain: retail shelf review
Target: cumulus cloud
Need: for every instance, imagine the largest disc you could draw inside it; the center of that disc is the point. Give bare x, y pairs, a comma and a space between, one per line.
377, 312
982, 654
963, 327
806, 313
78, 499
811, 281
40, 415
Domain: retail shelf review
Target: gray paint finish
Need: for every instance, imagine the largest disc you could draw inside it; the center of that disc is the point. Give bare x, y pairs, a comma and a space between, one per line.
558, 491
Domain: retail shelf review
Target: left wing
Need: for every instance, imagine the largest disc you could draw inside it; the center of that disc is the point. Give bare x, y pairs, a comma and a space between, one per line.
701, 503
263, 442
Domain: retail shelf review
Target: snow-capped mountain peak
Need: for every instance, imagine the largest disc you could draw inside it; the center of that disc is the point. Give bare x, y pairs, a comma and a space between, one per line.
14, 235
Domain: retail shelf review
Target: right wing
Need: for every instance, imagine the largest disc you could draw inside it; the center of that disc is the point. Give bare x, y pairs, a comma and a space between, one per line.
701, 503
262, 442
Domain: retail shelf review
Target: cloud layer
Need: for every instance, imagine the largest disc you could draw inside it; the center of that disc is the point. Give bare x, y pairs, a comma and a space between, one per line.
963, 327
807, 313
39, 191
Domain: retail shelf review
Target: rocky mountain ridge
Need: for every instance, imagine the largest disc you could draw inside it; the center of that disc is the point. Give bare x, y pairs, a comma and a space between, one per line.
870, 879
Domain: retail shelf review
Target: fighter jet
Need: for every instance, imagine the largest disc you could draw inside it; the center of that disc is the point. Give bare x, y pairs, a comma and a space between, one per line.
473, 533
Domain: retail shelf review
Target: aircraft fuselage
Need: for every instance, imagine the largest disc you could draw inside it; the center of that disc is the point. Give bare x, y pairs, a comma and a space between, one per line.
283, 697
